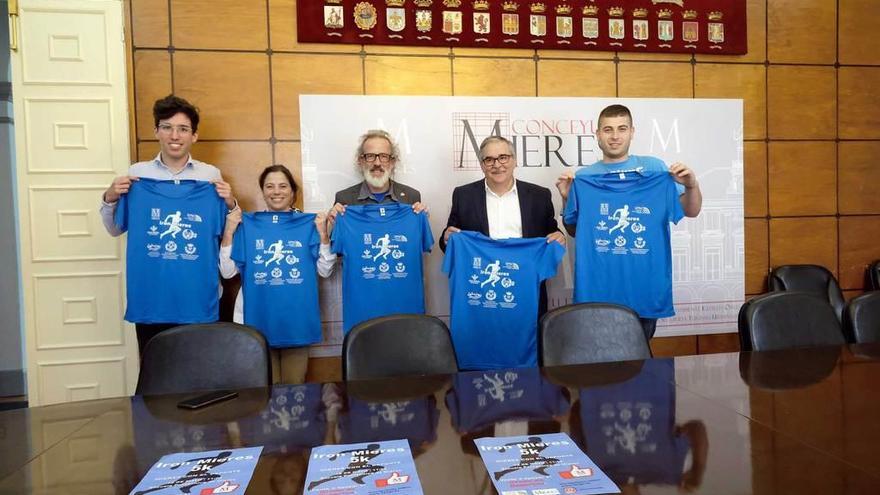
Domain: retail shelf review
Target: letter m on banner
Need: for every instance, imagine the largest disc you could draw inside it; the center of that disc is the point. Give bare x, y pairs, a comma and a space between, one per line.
469, 130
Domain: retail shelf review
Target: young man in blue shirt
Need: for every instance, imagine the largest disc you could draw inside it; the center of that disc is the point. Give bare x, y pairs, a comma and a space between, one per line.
176, 128
614, 136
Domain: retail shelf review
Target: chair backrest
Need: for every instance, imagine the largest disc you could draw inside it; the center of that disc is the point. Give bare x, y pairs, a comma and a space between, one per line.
814, 279
874, 275
861, 318
786, 320
398, 345
591, 333
211, 356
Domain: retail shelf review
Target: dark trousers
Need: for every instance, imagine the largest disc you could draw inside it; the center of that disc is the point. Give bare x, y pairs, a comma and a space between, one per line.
649, 326
146, 331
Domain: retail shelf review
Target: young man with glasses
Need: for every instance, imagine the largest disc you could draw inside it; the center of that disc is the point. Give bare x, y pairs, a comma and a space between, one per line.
376, 156
501, 207
176, 128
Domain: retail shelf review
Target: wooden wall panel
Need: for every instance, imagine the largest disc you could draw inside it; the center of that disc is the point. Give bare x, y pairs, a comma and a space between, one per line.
492, 76
241, 64
149, 23
802, 178
755, 178
326, 74
801, 102
757, 262
858, 176
802, 31
858, 32
858, 249
233, 25
234, 104
737, 81
859, 112
152, 75
408, 75
576, 78
643, 80
804, 240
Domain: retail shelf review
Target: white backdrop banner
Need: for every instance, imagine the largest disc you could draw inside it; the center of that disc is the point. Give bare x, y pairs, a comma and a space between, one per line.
439, 138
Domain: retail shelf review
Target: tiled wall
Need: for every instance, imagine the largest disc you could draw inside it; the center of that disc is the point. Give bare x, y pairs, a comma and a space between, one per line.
812, 115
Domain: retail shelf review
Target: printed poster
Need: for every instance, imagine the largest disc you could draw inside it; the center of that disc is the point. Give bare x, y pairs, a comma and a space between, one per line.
374, 468
211, 472
541, 465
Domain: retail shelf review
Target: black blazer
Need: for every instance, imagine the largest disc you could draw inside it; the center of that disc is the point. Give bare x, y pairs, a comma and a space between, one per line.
469, 210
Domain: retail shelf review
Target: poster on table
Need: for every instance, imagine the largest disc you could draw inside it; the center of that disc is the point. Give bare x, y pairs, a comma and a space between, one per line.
541, 464
374, 468
201, 473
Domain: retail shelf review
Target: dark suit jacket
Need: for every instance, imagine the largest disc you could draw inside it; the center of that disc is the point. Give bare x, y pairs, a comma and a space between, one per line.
469, 210
359, 194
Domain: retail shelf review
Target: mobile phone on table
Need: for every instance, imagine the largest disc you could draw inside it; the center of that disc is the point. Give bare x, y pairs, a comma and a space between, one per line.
207, 399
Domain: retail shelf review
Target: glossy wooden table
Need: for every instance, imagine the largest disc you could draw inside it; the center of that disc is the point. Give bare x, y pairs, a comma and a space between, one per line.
791, 422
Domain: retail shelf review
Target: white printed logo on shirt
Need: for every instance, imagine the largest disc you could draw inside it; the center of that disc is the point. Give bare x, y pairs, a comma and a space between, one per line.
277, 255
491, 279
380, 256
627, 224
174, 229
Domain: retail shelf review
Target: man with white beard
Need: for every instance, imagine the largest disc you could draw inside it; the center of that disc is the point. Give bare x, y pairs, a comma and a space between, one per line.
376, 156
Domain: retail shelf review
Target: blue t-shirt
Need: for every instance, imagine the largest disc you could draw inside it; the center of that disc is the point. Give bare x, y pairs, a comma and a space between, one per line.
629, 428
481, 398
382, 248
293, 420
494, 289
276, 253
623, 253
174, 230
643, 164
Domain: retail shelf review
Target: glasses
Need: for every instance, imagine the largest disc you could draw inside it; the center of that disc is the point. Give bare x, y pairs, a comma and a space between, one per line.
183, 130
501, 159
382, 157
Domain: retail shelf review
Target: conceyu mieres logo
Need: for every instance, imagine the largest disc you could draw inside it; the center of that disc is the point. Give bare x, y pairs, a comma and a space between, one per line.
537, 142
544, 141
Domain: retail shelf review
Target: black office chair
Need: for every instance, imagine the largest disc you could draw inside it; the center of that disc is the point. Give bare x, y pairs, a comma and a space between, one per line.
398, 345
814, 279
786, 320
874, 275
591, 333
861, 318
211, 356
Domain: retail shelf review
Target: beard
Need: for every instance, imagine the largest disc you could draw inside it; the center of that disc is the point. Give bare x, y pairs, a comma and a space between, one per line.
379, 181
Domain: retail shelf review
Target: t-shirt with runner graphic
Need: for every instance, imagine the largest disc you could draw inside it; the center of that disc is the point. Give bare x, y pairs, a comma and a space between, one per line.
494, 288
174, 230
382, 248
623, 253
276, 253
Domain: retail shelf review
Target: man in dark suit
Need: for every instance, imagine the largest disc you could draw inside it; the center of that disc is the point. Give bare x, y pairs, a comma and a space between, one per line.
500, 206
